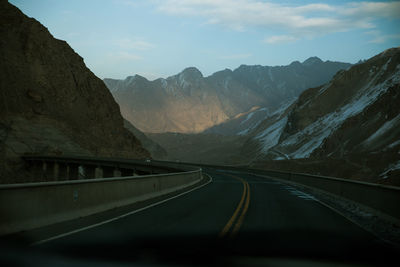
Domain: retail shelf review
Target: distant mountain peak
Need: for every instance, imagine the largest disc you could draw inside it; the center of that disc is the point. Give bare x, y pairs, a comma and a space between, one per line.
389, 52
135, 79
295, 63
312, 60
223, 72
193, 72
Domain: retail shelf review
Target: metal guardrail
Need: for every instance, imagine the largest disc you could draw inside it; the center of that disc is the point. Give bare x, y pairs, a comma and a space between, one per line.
148, 164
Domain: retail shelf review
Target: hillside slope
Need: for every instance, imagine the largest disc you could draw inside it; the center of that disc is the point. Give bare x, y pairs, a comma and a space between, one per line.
50, 102
354, 118
156, 151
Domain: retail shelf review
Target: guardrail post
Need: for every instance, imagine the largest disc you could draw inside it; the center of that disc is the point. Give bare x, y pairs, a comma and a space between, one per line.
108, 172
46, 173
62, 171
98, 172
36, 168
81, 172
117, 172
126, 172
56, 167
89, 171
73, 171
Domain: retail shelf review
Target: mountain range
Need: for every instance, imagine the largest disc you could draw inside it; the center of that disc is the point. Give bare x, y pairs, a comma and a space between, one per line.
190, 103
348, 127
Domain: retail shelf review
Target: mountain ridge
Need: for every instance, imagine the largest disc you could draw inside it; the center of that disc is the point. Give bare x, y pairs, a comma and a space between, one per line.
309, 61
353, 119
214, 99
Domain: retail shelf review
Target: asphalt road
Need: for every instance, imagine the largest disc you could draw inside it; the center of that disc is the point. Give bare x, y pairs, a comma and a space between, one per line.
235, 216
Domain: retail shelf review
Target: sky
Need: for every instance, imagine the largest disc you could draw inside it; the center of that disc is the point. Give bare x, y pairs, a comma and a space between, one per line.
160, 38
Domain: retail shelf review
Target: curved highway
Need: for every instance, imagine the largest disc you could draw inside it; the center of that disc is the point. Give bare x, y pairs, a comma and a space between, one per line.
235, 218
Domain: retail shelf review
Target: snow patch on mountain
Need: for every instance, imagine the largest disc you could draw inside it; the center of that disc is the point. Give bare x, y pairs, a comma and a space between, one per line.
392, 167
323, 89
226, 83
387, 126
248, 117
311, 137
384, 68
270, 137
164, 84
283, 108
183, 83
392, 145
253, 125
249, 129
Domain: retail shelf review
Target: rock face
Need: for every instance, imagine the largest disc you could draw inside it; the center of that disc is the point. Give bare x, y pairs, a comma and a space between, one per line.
156, 151
191, 103
175, 104
50, 101
355, 118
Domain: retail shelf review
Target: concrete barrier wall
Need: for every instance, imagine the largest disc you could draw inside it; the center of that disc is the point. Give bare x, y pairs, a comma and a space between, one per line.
28, 206
381, 199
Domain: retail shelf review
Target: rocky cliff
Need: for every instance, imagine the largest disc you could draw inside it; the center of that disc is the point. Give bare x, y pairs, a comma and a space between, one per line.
50, 102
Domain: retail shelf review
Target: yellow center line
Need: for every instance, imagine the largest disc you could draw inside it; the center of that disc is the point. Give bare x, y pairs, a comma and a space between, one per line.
245, 199
232, 219
244, 211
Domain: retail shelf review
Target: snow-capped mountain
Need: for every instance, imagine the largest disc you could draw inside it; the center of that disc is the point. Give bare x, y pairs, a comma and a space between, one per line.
356, 116
190, 103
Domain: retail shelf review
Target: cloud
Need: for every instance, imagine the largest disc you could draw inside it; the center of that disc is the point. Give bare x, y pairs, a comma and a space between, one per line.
278, 39
134, 44
372, 9
122, 55
128, 49
307, 19
379, 38
236, 56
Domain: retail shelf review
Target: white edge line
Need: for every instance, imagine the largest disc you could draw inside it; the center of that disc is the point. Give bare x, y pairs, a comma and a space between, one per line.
118, 217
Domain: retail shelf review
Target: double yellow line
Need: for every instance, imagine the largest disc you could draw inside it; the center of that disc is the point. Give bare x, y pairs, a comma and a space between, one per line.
243, 206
